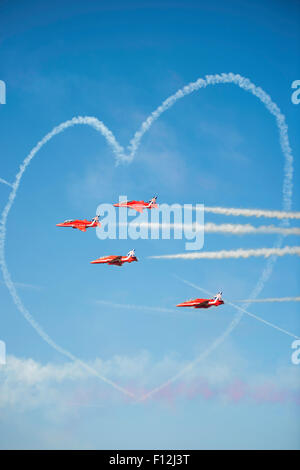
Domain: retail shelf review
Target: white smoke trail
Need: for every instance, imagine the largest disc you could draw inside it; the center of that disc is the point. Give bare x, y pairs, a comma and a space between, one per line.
24, 285
264, 321
252, 212
272, 299
146, 308
5, 182
136, 307
232, 229
240, 253
243, 229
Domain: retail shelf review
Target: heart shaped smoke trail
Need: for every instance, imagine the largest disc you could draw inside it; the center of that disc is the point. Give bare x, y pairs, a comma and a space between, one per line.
120, 155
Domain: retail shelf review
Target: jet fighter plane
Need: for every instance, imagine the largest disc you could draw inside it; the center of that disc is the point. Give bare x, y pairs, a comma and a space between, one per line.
116, 260
139, 206
81, 224
203, 303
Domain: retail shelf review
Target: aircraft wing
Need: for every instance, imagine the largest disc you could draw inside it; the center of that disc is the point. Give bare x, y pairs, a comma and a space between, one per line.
138, 208
82, 228
136, 205
117, 260
202, 304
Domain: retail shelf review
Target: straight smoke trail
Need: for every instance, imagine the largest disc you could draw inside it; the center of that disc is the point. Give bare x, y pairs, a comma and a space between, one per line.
5, 182
136, 307
240, 229
272, 299
253, 212
264, 321
240, 253
231, 229
146, 308
24, 285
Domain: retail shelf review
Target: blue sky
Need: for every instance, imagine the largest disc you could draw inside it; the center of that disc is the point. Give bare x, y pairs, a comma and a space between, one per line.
218, 146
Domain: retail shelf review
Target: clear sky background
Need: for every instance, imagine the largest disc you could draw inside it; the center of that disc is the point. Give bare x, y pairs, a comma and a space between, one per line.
218, 146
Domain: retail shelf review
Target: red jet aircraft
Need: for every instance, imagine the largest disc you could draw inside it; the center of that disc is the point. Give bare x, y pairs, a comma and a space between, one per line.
81, 224
116, 260
203, 303
139, 206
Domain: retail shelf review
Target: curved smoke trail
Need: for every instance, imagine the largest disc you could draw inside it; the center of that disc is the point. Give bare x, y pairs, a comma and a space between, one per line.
224, 78
118, 151
246, 85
